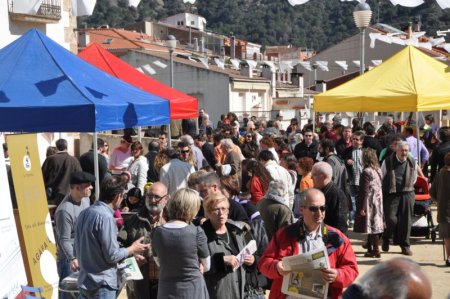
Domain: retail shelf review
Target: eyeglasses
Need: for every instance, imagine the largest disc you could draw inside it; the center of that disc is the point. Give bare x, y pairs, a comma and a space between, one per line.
154, 196
316, 209
221, 210
185, 152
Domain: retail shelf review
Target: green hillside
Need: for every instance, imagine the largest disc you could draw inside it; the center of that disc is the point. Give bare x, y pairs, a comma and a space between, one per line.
316, 24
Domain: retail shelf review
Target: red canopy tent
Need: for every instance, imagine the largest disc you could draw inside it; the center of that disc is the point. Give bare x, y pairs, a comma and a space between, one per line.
181, 105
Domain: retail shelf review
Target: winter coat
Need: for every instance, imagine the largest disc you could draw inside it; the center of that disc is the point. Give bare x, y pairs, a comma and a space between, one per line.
221, 279
286, 243
369, 199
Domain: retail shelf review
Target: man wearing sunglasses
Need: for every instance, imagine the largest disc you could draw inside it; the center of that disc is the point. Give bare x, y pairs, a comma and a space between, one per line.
307, 234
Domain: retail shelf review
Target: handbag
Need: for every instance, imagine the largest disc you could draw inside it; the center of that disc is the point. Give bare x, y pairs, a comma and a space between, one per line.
252, 290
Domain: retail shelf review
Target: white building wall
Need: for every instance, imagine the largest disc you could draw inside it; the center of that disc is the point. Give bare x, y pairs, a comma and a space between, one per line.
61, 32
252, 98
210, 88
186, 20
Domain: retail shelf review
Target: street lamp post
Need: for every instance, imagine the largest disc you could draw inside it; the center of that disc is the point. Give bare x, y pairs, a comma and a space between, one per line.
171, 43
362, 15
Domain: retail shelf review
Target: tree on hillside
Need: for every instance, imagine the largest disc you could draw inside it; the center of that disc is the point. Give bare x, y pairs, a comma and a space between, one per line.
317, 24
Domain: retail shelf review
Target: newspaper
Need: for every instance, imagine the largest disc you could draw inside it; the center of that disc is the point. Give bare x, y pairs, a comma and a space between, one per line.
305, 280
249, 249
127, 270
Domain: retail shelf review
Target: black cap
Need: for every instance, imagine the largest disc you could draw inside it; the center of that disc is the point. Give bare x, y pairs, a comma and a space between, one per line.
81, 177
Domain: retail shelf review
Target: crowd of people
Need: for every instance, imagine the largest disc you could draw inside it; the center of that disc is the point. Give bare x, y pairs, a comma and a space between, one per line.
185, 212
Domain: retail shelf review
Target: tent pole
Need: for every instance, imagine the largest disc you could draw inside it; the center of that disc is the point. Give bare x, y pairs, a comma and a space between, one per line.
313, 119
418, 139
440, 118
139, 134
96, 172
196, 126
169, 137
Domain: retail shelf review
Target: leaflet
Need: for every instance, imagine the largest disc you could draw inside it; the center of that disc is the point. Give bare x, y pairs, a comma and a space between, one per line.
249, 249
128, 269
305, 280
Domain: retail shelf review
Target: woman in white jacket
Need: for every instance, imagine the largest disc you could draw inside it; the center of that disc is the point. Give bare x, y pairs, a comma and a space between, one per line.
138, 166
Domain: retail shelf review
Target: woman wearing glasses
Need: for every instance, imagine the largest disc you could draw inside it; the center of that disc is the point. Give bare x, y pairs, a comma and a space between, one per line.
250, 148
180, 269
225, 241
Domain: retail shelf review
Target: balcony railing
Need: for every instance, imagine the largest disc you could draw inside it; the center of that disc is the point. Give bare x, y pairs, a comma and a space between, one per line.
48, 12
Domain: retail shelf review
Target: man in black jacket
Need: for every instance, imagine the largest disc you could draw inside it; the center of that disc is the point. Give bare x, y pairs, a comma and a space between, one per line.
340, 176
87, 162
308, 147
437, 158
201, 141
56, 171
370, 141
153, 150
335, 200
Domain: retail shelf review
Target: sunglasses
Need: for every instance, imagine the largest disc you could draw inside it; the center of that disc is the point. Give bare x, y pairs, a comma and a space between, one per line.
185, 152
316, 209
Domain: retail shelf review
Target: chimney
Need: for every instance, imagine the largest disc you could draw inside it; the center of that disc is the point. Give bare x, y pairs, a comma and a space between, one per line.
201, 45
297, 80
410, 31
83, 39
418, 24
321, 86
232, 46
246, 70
269, 73
195, 44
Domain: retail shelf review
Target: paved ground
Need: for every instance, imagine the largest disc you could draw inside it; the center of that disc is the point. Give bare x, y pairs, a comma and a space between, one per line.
429, 255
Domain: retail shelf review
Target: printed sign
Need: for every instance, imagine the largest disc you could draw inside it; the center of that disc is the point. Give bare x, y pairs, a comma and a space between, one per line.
36, 228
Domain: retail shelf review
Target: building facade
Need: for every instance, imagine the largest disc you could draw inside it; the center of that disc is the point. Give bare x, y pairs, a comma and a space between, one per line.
52, 17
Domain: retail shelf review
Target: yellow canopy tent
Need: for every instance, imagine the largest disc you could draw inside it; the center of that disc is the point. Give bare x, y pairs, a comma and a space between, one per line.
409, 81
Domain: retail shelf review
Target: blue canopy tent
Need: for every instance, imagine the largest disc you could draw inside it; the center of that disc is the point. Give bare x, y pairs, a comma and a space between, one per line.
46, 88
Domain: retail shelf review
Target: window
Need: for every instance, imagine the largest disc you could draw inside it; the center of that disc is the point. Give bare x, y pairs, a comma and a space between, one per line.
192, 23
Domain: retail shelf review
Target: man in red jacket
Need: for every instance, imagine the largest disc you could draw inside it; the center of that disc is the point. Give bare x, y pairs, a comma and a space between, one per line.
309, 233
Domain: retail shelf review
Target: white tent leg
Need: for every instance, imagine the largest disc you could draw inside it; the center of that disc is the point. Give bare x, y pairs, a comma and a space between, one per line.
96, 172
418, 139
169, 137
313, 113
139, 134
